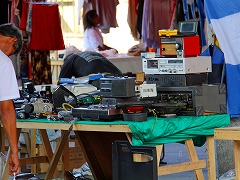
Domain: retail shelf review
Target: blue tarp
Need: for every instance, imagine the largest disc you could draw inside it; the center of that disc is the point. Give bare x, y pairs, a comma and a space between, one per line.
224, 16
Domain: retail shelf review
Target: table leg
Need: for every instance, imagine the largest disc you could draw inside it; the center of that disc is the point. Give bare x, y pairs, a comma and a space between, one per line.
236, 149
48, 148
193, 157
159, 149
211, 158
33, 149
57, 154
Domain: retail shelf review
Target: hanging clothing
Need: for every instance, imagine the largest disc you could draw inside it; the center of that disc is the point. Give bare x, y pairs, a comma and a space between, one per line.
24, 15
46, 28
41, 67
173, 18
16, 9
132, 17
140, 17
15, 13
24, 60
79, 10
145, 22
156, 16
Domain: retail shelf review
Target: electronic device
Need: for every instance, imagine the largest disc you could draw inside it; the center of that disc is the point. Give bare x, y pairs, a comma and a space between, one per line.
79, 89
62, 95
183, 42
186, 28
177, 80
97, 112
190, 65
21, 114
38, 107
198, 99
179, 46
123, 87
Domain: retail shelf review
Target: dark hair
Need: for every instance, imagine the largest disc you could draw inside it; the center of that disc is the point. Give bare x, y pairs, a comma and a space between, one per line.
10, 30
88, 19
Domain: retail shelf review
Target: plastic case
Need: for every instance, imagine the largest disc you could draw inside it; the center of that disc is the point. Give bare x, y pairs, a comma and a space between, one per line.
125, 168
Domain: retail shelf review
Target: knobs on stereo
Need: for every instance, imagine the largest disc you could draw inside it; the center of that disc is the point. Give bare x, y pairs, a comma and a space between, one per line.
178, 46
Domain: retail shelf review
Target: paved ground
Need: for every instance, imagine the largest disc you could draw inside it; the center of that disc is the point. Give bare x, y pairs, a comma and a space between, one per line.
177, 153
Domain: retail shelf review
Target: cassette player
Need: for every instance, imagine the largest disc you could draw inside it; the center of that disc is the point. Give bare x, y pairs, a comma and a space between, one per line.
180, 46
190, 65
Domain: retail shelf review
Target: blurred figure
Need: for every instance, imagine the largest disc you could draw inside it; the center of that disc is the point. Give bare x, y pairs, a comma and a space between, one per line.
93, 39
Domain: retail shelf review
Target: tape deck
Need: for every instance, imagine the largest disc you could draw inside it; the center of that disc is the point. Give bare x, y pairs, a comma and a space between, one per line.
190, 65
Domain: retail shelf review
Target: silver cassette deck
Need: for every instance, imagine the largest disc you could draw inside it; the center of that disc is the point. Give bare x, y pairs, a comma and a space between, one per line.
189, 65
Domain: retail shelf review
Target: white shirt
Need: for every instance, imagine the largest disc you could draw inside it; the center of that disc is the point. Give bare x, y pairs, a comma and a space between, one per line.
8, 82
92, 39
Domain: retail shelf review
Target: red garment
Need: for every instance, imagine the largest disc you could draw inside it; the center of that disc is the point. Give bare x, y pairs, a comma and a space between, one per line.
46, 28
23, 21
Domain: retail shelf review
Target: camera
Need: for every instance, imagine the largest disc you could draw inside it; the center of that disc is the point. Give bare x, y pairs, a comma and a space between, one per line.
38, 107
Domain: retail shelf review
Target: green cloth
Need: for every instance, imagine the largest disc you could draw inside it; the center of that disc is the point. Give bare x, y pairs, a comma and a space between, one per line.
156, 131
167, 130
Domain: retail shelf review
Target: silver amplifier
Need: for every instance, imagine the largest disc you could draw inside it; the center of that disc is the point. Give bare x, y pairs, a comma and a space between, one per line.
189, 65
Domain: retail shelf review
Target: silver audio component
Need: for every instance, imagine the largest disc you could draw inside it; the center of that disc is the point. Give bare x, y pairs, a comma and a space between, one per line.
189, 65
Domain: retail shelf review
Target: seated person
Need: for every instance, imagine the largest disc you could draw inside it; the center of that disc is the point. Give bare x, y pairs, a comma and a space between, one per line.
85, 63
93, 40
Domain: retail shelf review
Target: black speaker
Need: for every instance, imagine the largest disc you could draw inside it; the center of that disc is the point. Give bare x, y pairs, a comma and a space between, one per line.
124, 165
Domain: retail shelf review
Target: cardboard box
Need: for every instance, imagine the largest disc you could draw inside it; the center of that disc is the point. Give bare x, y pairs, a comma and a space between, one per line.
73, 156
